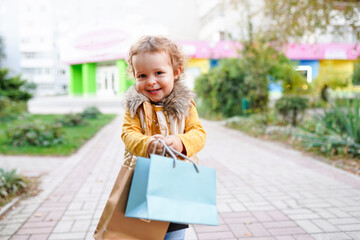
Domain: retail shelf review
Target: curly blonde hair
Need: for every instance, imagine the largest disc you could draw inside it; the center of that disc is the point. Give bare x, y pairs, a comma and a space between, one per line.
156, 44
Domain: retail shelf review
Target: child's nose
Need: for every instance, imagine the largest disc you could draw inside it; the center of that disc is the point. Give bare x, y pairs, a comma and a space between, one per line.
151, 80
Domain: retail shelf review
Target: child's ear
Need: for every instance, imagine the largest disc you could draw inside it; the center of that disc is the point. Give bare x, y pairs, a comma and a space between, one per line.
177, 72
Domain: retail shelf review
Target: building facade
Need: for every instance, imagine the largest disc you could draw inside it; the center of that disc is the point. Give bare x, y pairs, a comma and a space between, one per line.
107, 75
35, 30
79, 47
228, 19
222, 23
30, 44
328, 53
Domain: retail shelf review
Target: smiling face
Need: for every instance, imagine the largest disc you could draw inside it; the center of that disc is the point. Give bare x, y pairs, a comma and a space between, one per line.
154, 75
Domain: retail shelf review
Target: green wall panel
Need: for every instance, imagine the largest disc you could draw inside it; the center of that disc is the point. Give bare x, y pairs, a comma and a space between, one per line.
89, 78
76, 80
124, 80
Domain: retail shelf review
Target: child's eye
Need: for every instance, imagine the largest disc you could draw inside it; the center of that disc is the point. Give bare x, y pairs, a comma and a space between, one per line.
159, 73
141, 76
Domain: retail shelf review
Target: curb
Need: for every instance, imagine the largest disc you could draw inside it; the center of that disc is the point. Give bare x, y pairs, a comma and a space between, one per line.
4, 209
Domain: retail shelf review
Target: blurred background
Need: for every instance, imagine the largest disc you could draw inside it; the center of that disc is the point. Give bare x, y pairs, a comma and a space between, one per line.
260, 65
78, 48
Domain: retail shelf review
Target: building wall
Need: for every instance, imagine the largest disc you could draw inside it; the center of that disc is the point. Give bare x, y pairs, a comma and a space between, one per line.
202, 64
30, 46
228, 20
314, 64
340, 70
344, 66
82, 75
33, 31
10, 35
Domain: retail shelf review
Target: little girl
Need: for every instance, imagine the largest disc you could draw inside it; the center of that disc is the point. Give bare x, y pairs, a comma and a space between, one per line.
160, 106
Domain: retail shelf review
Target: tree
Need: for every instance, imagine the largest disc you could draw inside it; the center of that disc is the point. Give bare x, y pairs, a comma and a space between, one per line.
246, 79
283, 21
223, 87
263, 62
12, 87
294, 20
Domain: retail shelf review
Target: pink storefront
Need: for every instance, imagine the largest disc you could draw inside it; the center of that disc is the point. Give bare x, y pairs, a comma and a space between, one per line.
97, 64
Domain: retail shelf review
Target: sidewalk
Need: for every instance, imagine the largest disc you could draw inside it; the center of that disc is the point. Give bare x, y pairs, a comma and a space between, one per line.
265, 192
66, 104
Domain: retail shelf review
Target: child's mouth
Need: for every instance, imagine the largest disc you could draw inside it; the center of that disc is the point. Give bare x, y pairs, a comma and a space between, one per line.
154, 91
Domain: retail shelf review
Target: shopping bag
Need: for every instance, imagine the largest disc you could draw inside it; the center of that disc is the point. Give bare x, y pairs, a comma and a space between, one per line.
167, 189
114, 225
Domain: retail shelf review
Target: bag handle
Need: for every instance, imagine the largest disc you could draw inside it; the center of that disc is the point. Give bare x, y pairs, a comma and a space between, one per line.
172, 152
167, 149
154, 149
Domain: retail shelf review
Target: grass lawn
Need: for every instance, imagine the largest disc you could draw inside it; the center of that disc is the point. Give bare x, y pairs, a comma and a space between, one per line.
74, 138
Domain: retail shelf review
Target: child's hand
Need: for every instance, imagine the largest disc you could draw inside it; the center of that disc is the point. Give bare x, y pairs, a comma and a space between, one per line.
154, 143
174, 142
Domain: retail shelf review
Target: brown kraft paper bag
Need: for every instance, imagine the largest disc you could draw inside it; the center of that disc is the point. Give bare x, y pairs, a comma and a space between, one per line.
114, 225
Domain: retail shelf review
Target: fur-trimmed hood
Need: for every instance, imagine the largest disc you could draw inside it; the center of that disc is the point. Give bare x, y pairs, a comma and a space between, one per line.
176, 104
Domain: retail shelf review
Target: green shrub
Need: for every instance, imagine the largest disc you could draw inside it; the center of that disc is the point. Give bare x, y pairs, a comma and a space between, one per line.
292, 81
356, 74
255, 124
240, 86
264, 63
36, 134
72, 120
205, 111
10, 183
91, 112
222, 89
291, 108
252, 125
13, 87
9, 110
336, 130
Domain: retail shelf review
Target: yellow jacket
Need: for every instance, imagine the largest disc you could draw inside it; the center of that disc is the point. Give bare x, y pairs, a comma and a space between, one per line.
175, 115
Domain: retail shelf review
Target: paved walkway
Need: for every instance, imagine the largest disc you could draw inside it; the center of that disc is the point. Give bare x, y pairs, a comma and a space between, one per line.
66, 104
265, 192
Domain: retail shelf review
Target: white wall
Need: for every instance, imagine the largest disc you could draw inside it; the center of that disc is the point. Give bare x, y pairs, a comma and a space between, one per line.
229, 17
9, 34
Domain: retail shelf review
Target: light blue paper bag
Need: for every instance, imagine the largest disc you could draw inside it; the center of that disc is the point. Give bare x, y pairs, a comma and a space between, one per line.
165, 190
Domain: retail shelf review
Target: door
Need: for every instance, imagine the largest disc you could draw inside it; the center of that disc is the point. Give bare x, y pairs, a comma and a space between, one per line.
107, 81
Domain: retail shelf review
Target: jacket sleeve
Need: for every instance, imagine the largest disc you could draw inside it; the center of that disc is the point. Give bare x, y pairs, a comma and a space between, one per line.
194, 134
136, 142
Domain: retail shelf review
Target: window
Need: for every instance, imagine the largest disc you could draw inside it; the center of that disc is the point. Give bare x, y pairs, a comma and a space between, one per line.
306, 71
45, 86
28, 55
222, 35
32, 55
28, 70
25, 40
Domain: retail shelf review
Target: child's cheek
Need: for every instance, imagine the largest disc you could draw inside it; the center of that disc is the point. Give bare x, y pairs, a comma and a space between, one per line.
137, 86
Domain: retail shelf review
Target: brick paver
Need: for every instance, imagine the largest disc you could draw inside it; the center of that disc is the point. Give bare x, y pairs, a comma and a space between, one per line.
264, 192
